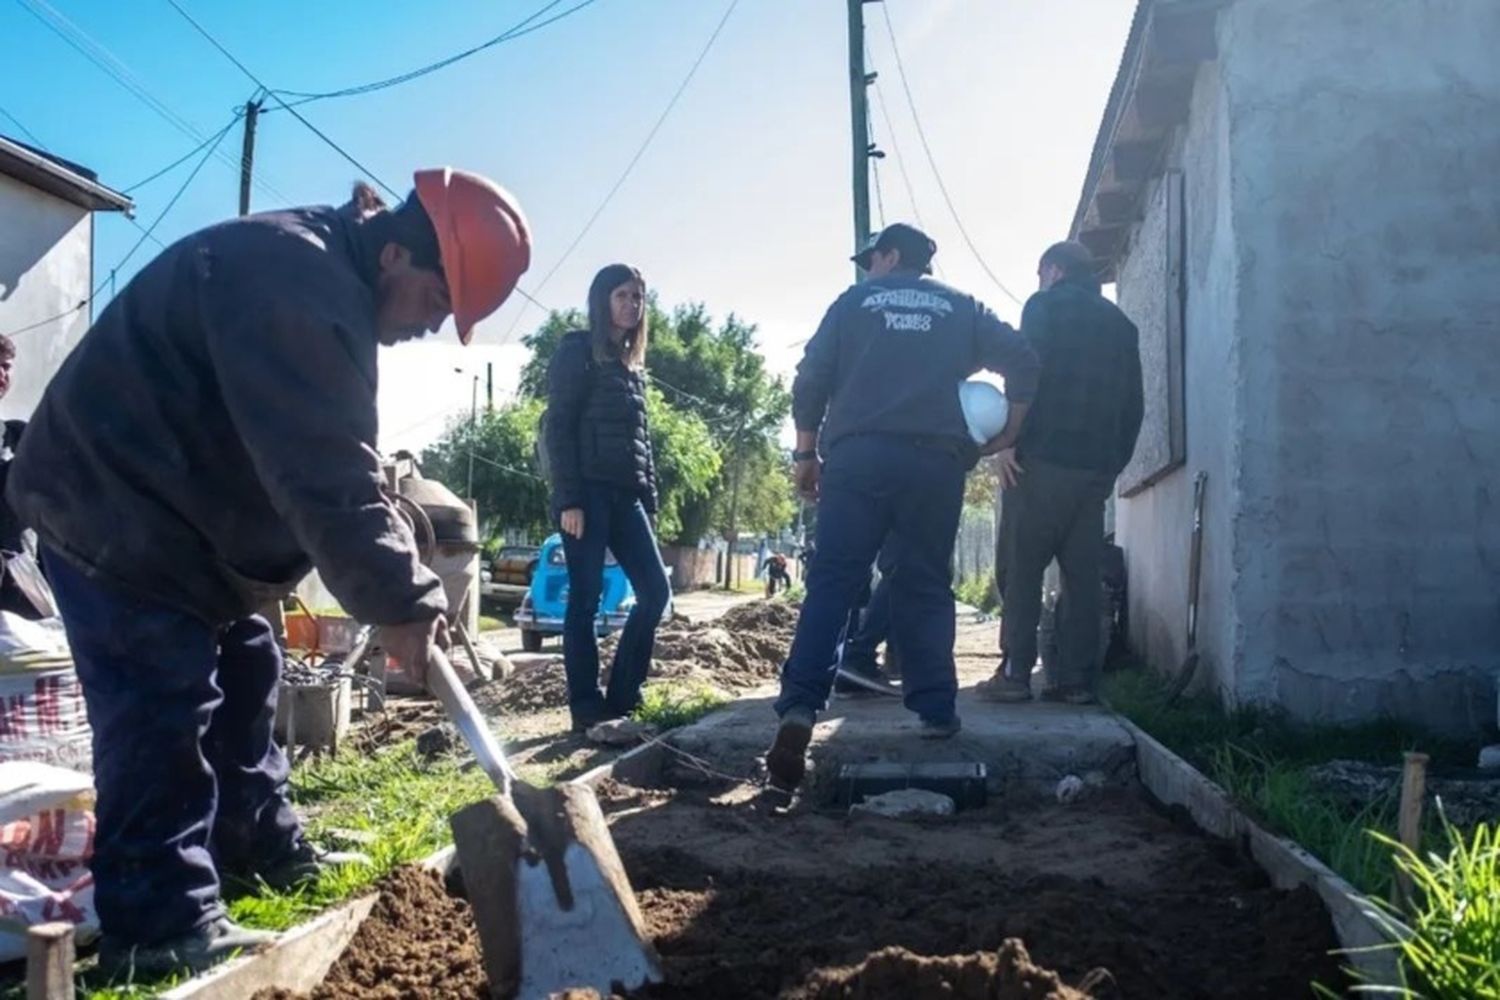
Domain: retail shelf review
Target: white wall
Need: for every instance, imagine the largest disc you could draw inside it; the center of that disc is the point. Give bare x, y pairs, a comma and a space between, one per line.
1154, 526
46, 263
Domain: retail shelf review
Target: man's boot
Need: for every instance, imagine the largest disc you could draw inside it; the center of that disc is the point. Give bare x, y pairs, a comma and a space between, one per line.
786, 761
1009, 685
190, 953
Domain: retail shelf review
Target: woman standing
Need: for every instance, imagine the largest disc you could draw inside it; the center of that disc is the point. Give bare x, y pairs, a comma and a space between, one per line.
604, 491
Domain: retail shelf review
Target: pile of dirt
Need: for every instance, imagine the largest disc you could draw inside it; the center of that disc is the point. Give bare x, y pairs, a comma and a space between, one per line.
896, 974
740, 651
417, 942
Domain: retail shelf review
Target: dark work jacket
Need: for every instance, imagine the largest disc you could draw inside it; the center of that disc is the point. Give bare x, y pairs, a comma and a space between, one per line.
213, 435
889, 355
596, 426
10, 525
1089, 406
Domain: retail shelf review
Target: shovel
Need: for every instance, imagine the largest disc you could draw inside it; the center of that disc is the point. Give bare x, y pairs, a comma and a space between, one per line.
1195, 570
551, 902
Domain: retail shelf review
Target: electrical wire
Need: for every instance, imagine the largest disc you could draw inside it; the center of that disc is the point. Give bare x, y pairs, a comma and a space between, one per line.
146, 233
18, 123
524, 27
629, 167
875, 171
503, 467
932, 160
181, 159
106, 61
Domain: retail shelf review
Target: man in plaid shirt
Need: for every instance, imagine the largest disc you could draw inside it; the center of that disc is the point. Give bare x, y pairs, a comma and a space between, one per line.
1078, 438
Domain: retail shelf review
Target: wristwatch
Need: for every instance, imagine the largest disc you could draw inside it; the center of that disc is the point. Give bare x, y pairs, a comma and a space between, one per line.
804, 456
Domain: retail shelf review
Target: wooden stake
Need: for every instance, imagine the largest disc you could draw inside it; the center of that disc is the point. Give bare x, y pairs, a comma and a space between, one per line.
1409, 827
49, 962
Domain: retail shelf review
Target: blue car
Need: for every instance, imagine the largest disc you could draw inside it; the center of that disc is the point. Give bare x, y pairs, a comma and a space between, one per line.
541, 612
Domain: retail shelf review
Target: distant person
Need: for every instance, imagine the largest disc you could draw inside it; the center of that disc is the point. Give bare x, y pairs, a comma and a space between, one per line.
1077, 441
604, 491
11, 527
776, 573
877, 390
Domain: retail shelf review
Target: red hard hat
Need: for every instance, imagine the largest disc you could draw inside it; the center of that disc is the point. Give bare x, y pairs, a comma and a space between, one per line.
483, 238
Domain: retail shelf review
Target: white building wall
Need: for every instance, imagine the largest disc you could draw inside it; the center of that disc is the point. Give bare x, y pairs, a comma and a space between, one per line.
46, 268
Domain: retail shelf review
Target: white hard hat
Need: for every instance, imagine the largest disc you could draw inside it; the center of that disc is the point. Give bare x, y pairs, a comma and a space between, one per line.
985, 409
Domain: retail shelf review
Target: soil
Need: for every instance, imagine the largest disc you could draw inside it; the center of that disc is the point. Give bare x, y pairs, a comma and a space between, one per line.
742, 903
737, 652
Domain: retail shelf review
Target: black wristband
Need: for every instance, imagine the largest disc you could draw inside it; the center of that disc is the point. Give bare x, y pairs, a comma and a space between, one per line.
804, 456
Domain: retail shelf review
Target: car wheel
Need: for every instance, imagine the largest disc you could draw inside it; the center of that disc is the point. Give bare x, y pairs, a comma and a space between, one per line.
531, 640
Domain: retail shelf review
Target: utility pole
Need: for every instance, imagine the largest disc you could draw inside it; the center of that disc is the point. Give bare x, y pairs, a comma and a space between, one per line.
859, 122
489, 387
473, 425
247, 157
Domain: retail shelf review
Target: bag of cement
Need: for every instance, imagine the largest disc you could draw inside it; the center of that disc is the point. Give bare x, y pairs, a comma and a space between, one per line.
46, 839
42, 715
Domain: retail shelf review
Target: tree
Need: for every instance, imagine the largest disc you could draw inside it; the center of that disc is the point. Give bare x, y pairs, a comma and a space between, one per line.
508, 488
687, 464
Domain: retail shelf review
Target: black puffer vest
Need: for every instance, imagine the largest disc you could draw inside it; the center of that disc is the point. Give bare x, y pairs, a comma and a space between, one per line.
596, 427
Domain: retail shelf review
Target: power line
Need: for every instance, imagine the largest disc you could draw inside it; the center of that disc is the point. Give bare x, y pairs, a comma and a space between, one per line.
932, 160
505, 468
18, 124
146, 233
524, 27
180, 160
106, 61
629, 167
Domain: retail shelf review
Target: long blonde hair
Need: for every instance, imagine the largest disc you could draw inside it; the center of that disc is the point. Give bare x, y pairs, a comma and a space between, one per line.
632, 348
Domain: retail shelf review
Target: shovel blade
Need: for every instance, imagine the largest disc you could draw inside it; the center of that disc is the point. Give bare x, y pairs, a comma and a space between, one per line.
551, 902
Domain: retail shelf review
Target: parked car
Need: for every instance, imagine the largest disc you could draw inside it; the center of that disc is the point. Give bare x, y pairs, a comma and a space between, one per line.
541, 612
508, 577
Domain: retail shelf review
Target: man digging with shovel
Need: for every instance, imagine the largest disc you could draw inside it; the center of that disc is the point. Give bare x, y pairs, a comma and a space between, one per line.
211, 438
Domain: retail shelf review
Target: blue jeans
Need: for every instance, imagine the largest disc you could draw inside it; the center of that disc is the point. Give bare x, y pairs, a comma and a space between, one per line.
874, 625
875, 487
186, 771
613, 519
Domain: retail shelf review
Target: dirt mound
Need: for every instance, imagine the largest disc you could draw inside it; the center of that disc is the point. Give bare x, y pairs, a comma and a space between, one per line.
417, 943
535, 687
896, 974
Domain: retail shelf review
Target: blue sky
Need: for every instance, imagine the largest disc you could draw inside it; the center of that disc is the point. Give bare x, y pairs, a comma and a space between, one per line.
742, 201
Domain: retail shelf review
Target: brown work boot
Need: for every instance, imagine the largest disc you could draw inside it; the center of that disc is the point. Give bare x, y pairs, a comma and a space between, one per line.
1007, 686
786, 761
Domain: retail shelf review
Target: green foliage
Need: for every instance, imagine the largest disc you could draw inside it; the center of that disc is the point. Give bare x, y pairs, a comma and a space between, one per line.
979, 592
507, 483
687, 464
669, 705
1450, 944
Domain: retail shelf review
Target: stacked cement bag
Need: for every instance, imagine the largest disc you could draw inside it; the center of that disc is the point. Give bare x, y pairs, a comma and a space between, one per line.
42, 716
46, 839
46, 794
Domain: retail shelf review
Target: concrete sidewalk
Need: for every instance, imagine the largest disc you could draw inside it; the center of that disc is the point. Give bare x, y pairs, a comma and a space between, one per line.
1026, 747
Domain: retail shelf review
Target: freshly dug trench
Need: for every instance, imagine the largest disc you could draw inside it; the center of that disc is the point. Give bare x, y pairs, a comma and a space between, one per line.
813, 906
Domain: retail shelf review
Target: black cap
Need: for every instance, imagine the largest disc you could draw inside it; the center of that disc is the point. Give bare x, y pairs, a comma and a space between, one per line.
917, 248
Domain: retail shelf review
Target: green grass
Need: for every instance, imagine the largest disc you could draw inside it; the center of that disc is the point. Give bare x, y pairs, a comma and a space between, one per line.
489, 623
668, 705
1261, 759
395, 797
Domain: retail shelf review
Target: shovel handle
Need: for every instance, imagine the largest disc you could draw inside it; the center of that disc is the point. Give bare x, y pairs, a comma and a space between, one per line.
471, 725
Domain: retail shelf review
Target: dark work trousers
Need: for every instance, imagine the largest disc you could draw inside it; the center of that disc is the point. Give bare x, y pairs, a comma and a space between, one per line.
613, 520
1053, 513
876, 487
186, 770
874, 625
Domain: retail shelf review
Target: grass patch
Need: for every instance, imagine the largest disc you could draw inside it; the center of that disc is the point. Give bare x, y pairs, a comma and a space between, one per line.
1261, 758
668, 705
489, 623
796, 593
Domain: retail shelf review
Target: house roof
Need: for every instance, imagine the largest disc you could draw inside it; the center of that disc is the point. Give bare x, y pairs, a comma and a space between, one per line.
59, 177
1168, 41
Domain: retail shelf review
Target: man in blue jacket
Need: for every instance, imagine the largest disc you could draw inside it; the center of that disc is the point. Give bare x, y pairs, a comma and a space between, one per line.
211, 438
876, 393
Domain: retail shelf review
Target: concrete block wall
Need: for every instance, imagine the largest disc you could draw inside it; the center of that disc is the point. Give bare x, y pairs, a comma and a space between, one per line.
1365, 143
